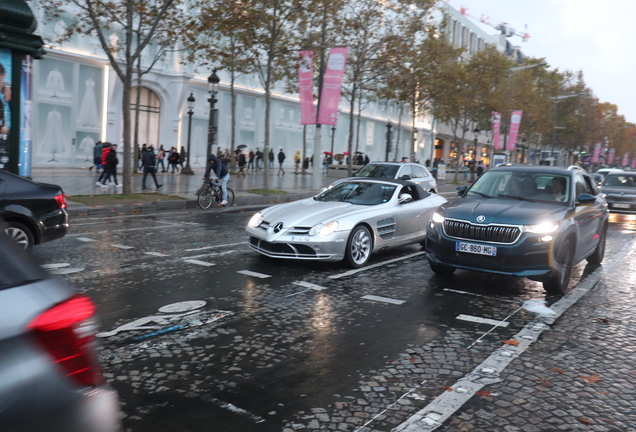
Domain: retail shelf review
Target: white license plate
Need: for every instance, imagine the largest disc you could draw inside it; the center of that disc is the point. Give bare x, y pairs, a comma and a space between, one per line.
475, 249
621, 205
300, 239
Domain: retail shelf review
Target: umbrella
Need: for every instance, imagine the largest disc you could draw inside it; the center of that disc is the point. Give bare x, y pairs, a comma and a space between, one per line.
328, 153
241, 147
345, 153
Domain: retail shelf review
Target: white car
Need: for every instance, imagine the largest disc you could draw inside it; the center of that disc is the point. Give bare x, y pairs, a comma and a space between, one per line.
410, 171
605, 171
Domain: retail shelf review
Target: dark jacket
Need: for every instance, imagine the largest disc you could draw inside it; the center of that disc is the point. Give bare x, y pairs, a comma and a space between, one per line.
271, 156
251, 156
241, 160
111, 158
217, 165
148, 158
281, 157
259, 155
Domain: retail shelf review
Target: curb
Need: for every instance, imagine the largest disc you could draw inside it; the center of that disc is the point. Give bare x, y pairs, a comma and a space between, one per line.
241, 203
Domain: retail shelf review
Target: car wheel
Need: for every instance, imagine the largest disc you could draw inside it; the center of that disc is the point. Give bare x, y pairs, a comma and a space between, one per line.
20, 234
599, 252
558, 282
441, 269
359, 247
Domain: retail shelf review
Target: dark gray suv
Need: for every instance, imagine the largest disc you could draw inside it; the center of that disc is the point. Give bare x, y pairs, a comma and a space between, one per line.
49, 376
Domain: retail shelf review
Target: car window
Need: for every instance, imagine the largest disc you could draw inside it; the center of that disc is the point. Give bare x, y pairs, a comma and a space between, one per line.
591, 184
363, 193
419, 172
522, 185
16, 267
620, 180
377, 171
406, 170
582, 186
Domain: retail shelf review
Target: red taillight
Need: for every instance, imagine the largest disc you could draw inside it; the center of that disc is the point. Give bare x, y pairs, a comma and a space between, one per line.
66, 331
61, 200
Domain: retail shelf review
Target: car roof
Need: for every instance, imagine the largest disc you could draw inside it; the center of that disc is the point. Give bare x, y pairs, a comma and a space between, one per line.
378, 180
610, 170
617, 173
392, 163
546, 169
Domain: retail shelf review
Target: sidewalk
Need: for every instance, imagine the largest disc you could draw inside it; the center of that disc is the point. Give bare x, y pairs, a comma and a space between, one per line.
81, 181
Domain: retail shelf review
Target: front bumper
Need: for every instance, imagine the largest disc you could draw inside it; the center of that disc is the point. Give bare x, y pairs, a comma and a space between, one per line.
329, 248
621, 206
527, 257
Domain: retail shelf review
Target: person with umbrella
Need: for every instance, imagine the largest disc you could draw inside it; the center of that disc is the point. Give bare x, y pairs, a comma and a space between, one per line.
326, 161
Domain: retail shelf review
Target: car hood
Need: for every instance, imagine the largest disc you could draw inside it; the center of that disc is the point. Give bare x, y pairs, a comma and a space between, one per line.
309, 212
503, 211
618, 190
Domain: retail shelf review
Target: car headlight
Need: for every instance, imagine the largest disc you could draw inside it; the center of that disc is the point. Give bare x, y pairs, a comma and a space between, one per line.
324, 229
542, 228
604, 195
255, 220
438, 218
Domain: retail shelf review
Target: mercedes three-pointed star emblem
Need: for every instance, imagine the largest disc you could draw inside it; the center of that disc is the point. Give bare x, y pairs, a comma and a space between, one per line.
278, 227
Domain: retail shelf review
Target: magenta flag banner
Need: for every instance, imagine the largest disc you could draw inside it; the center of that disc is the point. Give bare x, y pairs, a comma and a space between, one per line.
305, 88
496, 129
625, 160
597, 153
332, 85
610, 158
515, 122
633, 163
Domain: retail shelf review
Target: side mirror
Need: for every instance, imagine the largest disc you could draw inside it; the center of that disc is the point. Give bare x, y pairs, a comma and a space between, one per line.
585, 198
405, 198
461, 190
405, 177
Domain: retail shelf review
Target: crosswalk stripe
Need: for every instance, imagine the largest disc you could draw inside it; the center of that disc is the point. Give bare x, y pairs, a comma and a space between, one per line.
309, 285
480, 320
383, 299
197, 262
254, 274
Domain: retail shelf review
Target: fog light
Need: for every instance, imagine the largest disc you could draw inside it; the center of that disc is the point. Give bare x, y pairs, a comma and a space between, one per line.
546, 238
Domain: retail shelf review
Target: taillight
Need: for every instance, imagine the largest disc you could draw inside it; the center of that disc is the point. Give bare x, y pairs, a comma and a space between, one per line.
61, 200
65, 331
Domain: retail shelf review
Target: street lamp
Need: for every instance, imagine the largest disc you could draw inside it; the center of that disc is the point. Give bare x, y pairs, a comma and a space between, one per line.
389, 136
556, 100
213, 122
191, 100
333, 133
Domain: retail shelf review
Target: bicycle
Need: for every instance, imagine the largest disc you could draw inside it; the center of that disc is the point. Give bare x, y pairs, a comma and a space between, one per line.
213, 193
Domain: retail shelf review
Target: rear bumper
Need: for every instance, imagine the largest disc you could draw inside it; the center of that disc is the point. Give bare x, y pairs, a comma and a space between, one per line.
55, 225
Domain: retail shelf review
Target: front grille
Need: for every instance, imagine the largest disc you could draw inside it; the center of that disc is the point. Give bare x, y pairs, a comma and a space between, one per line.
622, 198
284, 250
502, 234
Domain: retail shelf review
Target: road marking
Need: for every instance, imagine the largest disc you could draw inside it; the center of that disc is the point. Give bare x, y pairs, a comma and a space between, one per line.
309, 285
158, 254
66, 270
197, 262
120, 246
481, 295
212, 247
480, 320
254, 274
445, 405
233, 408
352, 272
55, 265
85, 239
383, 299
212, 254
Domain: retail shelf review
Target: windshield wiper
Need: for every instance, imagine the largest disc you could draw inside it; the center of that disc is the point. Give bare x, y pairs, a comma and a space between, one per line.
482, 194
520, 198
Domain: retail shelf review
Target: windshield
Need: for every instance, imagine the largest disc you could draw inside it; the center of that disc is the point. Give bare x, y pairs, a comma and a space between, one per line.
378, 171
620, 180
358, 193
522, 185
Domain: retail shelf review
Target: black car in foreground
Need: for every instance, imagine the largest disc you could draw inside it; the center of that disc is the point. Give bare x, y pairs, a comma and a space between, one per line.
34, 212
531, 221
619, 190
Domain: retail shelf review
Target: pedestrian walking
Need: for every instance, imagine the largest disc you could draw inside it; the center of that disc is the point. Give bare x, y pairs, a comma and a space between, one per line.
140, 163
305, 165
241, 163
97, 156
296, 161
182, 157
102, 158
219, 153
160, 155
173, 159
281, 159
259, 159
366, 160
149, 159
250, 160
271, 158
111, 166
435, 166
325, 163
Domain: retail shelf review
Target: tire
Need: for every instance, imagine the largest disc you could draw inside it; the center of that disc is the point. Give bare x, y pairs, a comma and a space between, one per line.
599, 252
205, 198
20, 234
560, 278
359, 247
441, 269
230, 198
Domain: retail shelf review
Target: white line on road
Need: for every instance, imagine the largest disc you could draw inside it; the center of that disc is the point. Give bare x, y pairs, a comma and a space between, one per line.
212, 254
254, 274
66, 270
233, 408
352, 272
121, 246
309, 285
158, 254
55, 265
215, 246
383, 299
85, 239
480, 320
197, 262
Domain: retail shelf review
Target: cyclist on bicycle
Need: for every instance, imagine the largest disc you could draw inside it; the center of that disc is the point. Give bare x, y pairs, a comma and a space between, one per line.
220, 170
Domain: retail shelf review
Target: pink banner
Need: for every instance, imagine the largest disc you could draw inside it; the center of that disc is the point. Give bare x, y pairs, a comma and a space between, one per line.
331, 86
597, 153
625, 160
515, 122
610, 158
496, 129
305, 88
633, 163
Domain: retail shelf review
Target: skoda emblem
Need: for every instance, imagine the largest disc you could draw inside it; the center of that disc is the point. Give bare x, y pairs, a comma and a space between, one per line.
277, 227
481, 218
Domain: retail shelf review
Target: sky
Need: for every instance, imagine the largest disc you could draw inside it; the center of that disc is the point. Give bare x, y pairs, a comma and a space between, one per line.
589, 35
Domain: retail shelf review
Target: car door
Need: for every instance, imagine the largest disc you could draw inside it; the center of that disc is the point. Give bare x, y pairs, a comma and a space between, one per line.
412, 217
422, 177
586, 217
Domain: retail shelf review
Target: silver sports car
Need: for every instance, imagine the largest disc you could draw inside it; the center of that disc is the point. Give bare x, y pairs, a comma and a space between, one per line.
349, 221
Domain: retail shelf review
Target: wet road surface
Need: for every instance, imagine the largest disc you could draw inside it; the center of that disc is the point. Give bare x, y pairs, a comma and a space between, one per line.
257, 344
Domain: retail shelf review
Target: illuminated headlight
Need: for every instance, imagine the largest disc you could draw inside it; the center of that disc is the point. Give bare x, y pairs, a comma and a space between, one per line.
604, 195
438, 218
255, 220
542, 228
324, 229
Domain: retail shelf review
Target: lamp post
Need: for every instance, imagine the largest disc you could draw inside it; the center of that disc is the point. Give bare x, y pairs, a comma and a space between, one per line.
213, 122
389, 137
333, 133
556, 100
188, 169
